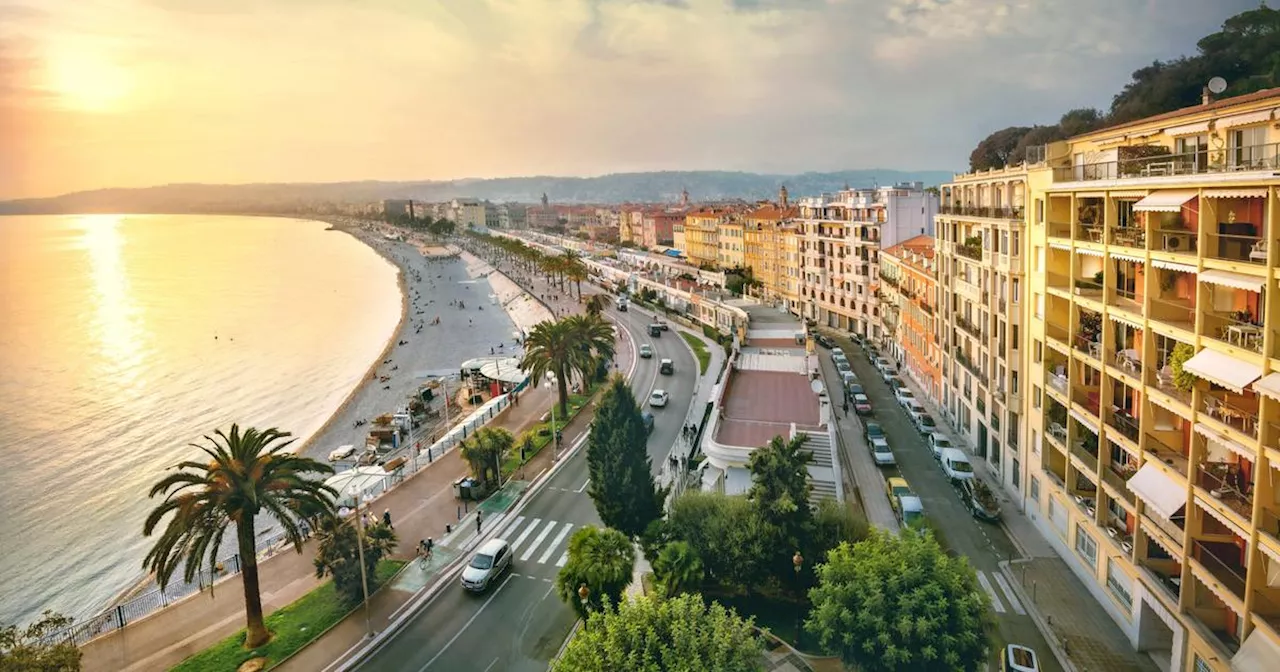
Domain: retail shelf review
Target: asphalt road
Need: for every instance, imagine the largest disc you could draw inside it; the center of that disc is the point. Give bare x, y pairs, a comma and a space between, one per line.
520, 622
984, 544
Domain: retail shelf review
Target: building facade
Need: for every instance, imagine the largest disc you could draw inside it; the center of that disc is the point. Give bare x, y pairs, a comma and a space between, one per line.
1154, 359
702, 235
658, 227
908, 311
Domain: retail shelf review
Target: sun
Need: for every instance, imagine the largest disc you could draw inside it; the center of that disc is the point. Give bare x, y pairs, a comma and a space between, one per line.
87, 83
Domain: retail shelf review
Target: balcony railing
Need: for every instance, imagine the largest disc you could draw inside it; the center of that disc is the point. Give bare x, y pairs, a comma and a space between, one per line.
1129, 236
1089, 457
1227, 570
1088, 397
1224, 485
1089, 347
1252, 157
1059, 229
1236, 328
1124, 423
1269, 524
1090, 233
1116, 477
967, 363
1170, 455
1233, 415
1129, 361
969, 327
1057, 332
1058, 281
1174, 311
1057, 382
991, 211
1175, 240
1237, 247
971, 251
1172, 584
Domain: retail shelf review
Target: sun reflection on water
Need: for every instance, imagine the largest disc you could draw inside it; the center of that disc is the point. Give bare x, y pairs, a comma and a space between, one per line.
115, 324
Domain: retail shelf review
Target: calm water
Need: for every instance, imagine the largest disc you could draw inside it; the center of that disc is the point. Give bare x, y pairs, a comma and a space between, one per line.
109, 368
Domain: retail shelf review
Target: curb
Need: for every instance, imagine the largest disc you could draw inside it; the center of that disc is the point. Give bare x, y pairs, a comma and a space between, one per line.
1033, 611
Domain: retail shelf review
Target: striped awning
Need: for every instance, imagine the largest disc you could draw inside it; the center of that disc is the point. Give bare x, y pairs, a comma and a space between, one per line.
1188, 129
1261, 116
1060, 246
1128, 257
1165, 201
1085, 420
1223, 369
1269, 386
1250, 192
1089, 251
1207, 507
1215, 437
1173, 266
1249, 283
1123, 318
1162, 495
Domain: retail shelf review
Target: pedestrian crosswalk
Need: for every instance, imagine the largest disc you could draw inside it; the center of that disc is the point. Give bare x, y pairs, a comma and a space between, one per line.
539, 539
1005, 589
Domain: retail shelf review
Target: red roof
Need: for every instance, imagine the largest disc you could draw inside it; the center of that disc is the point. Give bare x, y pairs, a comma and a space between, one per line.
1256, 96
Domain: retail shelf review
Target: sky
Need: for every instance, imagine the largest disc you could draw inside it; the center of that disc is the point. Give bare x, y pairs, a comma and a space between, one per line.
128, 93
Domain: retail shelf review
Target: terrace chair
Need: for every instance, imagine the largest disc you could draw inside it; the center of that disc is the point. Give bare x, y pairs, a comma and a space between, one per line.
1165, 375
1259, 251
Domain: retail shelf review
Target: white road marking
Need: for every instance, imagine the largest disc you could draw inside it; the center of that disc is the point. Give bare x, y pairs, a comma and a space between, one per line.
1008, 594
495, 662
991, 592
546, 529
525, 533
584, 486
555, 543
467, 624
564, 557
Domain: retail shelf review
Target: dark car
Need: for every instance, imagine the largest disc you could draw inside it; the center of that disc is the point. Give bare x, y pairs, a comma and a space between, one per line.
647, 418
872, 430
655, 330
824, 341
861, 404
855, 388
979, 499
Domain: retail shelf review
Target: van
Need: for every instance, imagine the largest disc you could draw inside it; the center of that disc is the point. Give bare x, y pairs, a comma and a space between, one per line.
955, 464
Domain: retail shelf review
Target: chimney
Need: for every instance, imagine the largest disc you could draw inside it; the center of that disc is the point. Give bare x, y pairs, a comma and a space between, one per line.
1205, 98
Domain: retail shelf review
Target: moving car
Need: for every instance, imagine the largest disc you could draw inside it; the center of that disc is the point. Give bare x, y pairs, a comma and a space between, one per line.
938, 442
824, 341
1018, 658
978, 498
910, 511
880, 452
622, 304
342, 453
666, 366
646, 351
895, 487
662, 324
655, 330
647, 419
872, 430
659, 398
487, 564
861, 404
955, 464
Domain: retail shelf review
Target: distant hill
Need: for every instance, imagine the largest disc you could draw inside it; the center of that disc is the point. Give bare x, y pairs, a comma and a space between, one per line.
614, 188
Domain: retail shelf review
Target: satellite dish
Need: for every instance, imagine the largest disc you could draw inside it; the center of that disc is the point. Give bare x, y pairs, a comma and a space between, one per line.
1217, 85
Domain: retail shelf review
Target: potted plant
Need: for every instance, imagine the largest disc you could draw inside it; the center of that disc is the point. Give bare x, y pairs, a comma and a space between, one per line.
1182, 379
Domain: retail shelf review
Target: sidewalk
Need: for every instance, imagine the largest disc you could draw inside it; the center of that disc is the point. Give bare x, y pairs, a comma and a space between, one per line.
1083, 634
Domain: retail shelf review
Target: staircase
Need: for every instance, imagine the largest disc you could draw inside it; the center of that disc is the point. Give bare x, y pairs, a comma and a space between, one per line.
821, 471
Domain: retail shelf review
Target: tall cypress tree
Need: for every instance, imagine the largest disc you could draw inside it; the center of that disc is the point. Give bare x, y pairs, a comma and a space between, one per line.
622, 485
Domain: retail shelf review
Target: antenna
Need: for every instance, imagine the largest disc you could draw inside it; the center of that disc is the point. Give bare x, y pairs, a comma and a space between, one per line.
1217, 85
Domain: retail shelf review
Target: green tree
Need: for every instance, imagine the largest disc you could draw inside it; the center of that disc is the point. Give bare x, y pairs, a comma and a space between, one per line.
600, 559
621, 474
834, 523
574, 270
728, 534
595, 337
564, 347
678, 569
484, 451
996, 150
338, 554
595, 304
682, 634
245, 475
34, 649
780, 492
898, 602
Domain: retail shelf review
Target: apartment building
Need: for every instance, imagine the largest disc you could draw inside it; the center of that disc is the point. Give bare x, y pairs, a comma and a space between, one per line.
908, 299
839, 252
702, 235
981, 232
658, 227
764, 229
731, 241
1154, 361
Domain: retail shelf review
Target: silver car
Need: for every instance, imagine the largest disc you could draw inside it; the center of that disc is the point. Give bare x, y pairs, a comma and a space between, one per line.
487, 564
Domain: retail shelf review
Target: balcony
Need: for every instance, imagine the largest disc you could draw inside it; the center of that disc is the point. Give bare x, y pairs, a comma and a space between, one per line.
1177, 312
1086, 450
1236, 411
1116, 476
971, 248
1171, 455
1238, 328
1123, 422
1175, 240
1059, 230
1086, 345
1269, 526
1222, 560
1129, 361
1249, 248
970, 328
1058, 281
1129, 236
1058, 332
1251, 157
987, 211
1166, 573
967, 363
1225, 483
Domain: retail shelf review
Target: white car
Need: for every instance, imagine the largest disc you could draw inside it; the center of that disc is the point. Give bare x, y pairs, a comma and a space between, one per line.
342, 453
955, 464
659, 398
904, 397
938, 442
881, 453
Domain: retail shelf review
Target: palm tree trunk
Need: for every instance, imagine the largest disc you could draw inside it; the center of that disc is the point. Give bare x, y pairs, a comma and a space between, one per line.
256, 634
563, 384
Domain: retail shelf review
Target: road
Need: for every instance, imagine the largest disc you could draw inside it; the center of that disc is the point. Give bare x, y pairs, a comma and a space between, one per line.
520, 623
984, 544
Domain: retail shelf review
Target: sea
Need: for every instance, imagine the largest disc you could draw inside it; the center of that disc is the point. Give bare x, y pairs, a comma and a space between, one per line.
124, 339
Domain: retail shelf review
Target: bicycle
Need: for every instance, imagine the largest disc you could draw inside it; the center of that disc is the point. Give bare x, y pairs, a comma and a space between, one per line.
424, 552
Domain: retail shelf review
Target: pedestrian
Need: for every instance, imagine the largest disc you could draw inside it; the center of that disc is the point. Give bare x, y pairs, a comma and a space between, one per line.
386, 518
846, 407
479, 520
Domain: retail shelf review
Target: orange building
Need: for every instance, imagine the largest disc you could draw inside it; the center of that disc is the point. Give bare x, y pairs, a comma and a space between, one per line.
909, 286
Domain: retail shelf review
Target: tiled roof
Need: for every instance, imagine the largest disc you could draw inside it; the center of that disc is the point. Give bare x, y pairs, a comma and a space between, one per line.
774, 212
1254, 97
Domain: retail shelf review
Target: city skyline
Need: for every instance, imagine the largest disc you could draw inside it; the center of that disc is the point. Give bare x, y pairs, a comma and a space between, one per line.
131, 93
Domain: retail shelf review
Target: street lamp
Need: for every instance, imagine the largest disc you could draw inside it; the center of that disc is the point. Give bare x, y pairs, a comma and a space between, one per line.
798, 561
364, 579
583, 593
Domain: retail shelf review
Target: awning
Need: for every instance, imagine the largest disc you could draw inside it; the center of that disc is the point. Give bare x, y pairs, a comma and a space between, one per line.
1249, 283
1224, 370
1089, 251
1085, 420
1173, 266
1252, 192
1269, 386
1164, 201
1207, 506
1215, 438
1161, 494
1188, 129
1060, 246
1244, 119
672, 253
1128, 194
1128, 257
504, 370
1257, 654
1125, 319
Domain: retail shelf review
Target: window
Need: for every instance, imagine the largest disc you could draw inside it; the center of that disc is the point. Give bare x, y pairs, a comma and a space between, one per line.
1035, 487
1247, 146
1195, 149
1035, 397
1040, 211
1039, 306
1037, 348
1016, 291
1017, 474
1119, 583
1035, 442
1202, 666
1086, 547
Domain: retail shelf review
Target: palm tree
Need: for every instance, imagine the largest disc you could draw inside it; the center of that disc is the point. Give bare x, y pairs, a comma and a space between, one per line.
575, 269
484, 452
246, 474
572, 345
595, 337
677, 568
595, 304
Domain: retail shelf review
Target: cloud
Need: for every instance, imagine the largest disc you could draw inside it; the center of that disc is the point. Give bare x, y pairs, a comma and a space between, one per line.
406, 89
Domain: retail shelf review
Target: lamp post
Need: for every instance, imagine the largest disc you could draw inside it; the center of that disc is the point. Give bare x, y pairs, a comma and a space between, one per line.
798, 561
364, 579
555, 430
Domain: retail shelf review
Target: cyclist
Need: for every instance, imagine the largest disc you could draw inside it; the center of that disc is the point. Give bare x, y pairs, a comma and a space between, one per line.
425, 548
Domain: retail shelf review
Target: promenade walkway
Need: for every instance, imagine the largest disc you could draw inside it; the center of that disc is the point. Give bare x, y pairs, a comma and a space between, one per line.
420, 507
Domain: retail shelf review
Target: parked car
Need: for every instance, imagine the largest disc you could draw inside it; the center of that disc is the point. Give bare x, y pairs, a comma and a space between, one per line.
666, 366
824, 341
855, 388
342, 453
659, 398
1018, 658
848, 378
904, 397
938, 443
881, 454
895, 487
487, 564
890, 376
839, 357
646, 351
843, 367
647, 419
910, 511
861, 404
979, 499
871, 430
925, 424
914, 412
881, 364
955, 464
837, 351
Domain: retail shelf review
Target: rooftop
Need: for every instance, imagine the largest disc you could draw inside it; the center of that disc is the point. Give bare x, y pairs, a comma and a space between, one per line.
759, 405
1256, 96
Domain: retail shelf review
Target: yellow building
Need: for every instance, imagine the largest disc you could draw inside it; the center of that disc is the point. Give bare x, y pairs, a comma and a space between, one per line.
1154, 364
702, 235
731, 241
764, 248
